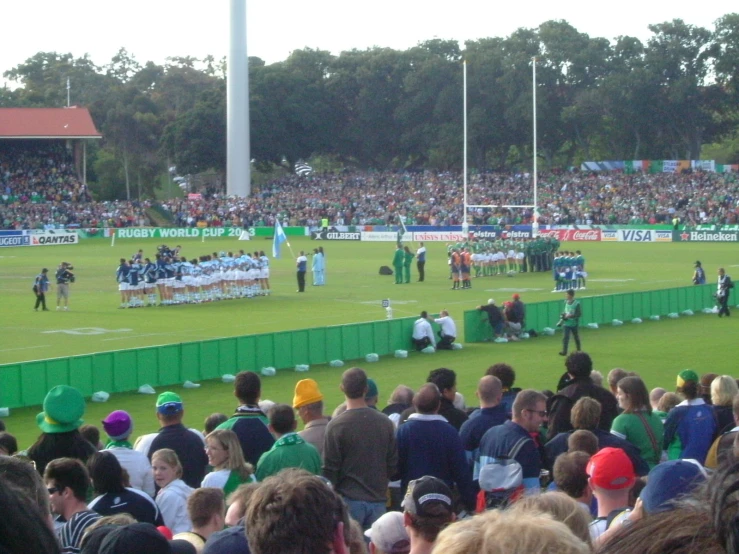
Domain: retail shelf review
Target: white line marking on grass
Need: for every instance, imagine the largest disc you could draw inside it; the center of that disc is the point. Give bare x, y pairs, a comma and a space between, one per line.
512, 290
394, 302
609, 280
87, 331
26, 347
138, 336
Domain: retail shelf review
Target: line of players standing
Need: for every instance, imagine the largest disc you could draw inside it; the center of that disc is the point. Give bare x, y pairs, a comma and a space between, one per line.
171, 279
568, 270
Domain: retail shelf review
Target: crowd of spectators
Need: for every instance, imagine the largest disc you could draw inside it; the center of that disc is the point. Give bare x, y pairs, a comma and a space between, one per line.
523, 471
39, 188
429, 198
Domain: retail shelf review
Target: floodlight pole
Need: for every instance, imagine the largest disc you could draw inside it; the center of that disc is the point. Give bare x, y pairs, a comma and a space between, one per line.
465, 225
535, 223
238, 156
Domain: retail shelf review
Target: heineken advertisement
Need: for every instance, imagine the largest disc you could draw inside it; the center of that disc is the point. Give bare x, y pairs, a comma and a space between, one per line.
705, 236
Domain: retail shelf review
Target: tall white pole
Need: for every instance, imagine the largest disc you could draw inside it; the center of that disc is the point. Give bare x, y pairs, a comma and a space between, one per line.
68, 103
535, 224
465, 225
238, 156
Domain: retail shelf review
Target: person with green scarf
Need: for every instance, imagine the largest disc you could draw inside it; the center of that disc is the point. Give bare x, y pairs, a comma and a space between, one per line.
119, 426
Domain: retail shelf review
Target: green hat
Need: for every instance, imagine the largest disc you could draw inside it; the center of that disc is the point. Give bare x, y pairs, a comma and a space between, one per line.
63, 410
371, 389
169, 403
685, 376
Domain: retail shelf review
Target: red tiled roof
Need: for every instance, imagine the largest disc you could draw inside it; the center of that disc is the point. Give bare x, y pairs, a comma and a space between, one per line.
47, 123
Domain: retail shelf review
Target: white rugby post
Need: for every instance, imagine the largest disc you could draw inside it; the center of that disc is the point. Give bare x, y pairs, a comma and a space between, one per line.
465, 225
535, 223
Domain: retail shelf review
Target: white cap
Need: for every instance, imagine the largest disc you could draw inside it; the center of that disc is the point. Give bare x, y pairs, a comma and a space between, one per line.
491, 301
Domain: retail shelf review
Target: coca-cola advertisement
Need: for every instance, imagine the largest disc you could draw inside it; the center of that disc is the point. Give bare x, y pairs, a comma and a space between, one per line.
567, 235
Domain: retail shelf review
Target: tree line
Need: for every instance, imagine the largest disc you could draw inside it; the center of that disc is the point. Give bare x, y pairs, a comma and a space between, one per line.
384, 108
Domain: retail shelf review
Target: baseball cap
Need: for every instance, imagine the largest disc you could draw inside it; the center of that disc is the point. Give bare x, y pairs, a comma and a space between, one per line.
306, 392
516, 296
118, 425
611, 469
389, 535
697, 262
685, 376
491, 301
424, 494
668, 481
372, 389
169, 403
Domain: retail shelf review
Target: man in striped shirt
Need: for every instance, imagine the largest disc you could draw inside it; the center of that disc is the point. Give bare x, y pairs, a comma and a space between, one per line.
67, 481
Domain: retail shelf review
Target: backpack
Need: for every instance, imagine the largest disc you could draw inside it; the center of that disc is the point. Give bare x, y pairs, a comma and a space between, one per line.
501, 482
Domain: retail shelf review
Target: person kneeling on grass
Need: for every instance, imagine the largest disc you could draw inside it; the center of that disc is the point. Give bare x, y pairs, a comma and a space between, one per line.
448, 331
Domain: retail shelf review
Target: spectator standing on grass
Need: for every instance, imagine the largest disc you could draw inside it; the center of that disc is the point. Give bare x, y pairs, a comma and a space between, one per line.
188, 444
571, 321
59, 423
360, 452
63, 277
40, 288
119, 426
250, 422
421, 262
302, 265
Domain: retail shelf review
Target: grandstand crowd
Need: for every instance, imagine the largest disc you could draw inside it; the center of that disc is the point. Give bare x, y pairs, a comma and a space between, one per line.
40, 188
601, 465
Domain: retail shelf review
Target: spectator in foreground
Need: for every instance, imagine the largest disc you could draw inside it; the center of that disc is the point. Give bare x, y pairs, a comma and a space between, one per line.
22, 528
723, 391
446, 381
188, 444
722, 449
67, 481
561, 507
206, 508
113, 496
388, 535
225, 457
611, 478
297, 513
59, 423
173, 491
571, 477
507, 376
360, 452
400, 400
308, 401
637, 423
119, 426
506, 532
427, 510
289, 450
21, 475
250, 422
491, 413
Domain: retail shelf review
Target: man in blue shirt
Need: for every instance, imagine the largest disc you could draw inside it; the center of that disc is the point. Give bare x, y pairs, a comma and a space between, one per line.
529, 413
490, 414
429, 445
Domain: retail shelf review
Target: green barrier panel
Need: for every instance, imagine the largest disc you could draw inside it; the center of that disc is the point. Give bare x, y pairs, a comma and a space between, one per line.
602, 309
26, 384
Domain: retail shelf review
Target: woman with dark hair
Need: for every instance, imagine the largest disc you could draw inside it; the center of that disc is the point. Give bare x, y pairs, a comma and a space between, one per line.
691, 426
60, 422
638, 424
115, 498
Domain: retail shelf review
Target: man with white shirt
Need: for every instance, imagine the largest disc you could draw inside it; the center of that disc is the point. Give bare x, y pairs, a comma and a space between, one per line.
448, 331
421, 262
423, 334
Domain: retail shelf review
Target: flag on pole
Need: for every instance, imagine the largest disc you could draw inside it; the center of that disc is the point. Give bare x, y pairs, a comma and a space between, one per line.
280, 237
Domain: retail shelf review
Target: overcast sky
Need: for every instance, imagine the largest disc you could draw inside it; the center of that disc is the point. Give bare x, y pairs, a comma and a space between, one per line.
156, 29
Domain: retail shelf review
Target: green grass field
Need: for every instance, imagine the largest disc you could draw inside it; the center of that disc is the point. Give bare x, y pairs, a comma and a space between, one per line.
657, 350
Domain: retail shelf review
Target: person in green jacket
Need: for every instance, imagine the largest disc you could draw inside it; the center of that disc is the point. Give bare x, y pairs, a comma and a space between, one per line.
570, 321
289, 450
407, 259
398, 264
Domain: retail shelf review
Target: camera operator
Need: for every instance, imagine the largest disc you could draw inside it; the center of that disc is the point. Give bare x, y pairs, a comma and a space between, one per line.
725, 285
64, 276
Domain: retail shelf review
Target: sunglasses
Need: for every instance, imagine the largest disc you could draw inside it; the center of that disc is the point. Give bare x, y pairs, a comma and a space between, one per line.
52, 490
